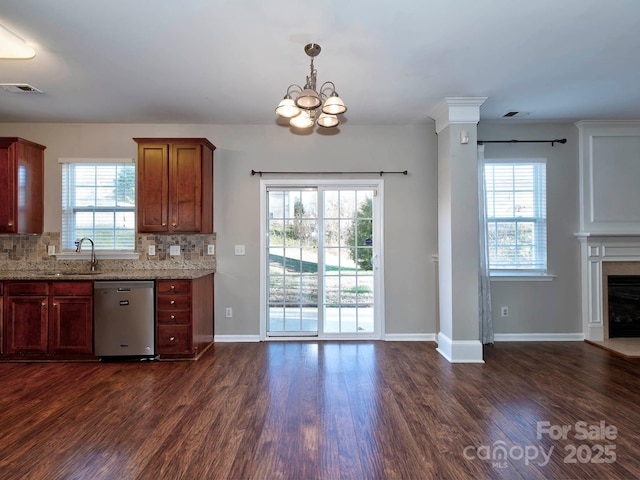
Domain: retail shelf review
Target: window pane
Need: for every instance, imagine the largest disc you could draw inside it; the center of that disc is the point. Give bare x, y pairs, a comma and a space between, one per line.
276, 205
106, 196
524, 204
85, 196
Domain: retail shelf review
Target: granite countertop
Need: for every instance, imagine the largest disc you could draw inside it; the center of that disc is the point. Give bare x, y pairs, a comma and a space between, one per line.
156, 274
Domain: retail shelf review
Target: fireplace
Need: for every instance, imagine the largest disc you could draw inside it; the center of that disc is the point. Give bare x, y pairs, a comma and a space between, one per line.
605, 256
623, 305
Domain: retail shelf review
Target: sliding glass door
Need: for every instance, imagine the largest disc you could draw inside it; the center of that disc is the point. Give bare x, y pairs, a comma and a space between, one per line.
322, 260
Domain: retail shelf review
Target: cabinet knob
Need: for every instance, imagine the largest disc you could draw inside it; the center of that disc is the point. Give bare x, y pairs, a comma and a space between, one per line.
164, 224
172, 339
174, 224
173, 302
173, 317
10, 224
172, 287
44, 304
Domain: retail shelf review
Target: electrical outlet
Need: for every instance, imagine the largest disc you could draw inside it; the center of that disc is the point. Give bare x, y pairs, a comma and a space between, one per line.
211, 249
239, 249
228, 312
152, 249
174, 250
51, 249
504, 311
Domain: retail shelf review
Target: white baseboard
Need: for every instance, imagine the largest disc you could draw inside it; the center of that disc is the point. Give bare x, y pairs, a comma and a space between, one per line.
460, 351
236, 338
410, 337
538, 337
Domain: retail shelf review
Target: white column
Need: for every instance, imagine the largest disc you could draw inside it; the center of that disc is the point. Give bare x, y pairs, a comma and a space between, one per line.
458, 254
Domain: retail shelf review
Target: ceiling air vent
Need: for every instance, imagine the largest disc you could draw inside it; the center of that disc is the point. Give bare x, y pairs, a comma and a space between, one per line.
515, 113
19, 88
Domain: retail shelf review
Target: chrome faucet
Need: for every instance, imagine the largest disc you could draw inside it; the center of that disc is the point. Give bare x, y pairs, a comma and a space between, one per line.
94, 261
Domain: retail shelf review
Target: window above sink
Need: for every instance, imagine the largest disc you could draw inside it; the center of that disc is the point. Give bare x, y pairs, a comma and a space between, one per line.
98, 201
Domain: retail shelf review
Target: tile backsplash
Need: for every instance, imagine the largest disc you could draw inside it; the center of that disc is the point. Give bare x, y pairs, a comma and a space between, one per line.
29, 252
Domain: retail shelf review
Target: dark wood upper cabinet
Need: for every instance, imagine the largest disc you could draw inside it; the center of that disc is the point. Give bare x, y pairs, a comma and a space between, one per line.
175, 185
21, 186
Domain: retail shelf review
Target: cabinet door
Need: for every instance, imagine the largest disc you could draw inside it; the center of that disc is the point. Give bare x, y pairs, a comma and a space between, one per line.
153, 188
7, 190
30, 187
72, 325
26, 324
185, 188
21, 186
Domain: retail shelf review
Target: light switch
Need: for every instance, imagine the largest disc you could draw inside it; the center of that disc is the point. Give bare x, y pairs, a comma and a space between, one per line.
51, 249
152, 249
174, 250
239, 249
211, 249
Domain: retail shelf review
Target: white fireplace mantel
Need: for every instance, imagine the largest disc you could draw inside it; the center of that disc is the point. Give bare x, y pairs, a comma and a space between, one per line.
609, 164
595, 250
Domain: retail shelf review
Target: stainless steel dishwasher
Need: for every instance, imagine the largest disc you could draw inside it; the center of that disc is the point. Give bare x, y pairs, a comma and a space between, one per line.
124, 319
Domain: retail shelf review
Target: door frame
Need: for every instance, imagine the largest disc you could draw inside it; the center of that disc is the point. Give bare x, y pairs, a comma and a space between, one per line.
379, 305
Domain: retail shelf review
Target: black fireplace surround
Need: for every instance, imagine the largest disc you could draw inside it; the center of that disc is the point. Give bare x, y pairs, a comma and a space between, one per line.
624, 305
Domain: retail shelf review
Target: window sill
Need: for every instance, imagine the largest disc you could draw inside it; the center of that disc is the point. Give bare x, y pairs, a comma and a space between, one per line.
100, 255
521, 277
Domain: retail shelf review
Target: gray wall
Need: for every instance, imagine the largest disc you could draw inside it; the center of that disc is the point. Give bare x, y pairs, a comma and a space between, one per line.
410, 209
410, 202
544, 307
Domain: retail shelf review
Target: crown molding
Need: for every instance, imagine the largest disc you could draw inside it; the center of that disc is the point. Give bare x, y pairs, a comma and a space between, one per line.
457, 110
608, 123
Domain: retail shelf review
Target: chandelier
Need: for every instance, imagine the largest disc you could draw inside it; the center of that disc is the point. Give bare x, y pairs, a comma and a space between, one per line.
303, 110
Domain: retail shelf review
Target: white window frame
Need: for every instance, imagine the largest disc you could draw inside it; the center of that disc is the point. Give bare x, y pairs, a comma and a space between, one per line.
68, 252
539, 217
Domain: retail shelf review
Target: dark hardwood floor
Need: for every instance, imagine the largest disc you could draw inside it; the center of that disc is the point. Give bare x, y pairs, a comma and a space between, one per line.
326, 410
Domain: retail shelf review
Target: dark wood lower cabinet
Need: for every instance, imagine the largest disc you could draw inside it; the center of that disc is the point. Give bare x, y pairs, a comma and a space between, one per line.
27, 324
48, 320
184, 317
71, 318
53, 320
26, 318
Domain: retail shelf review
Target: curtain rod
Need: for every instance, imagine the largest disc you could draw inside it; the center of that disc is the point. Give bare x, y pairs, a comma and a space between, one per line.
552, 142
381, 172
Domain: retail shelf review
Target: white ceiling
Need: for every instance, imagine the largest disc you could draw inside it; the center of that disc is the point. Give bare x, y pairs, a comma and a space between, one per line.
230, 61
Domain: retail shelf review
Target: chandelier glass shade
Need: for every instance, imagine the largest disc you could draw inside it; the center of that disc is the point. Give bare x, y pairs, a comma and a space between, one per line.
301, 105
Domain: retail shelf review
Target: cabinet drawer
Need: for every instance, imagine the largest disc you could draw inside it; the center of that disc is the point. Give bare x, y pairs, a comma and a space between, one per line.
72, 288
180, 287
174, 318
174, 339
26, 288
173, 302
